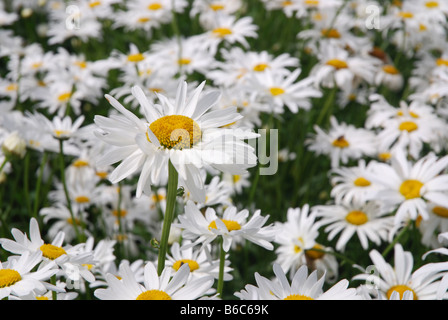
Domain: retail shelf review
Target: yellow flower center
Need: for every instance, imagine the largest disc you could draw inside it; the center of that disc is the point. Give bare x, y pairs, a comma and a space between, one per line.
410, 189
184, 61
260, 67
222, 32
70, 221
408, 126
80, 163
136, 57
298, 297
81, 64
41, 298
12, 87
390, 69
94, 4
337, 64
331, 33
276, 91
230, 225
341, 142
431, 4
315, 253
401, 289
286, 3
59, 133
405, 15
143, 19
101, 174
176, 131
442, 62
440, 211
384, 156
356, 217
155, 6
236, 178
36, 65
82, 199
64, 97
154, 295
217, 7
8, 277
191, 263
312, 2
52, 252
119, 213
361, 182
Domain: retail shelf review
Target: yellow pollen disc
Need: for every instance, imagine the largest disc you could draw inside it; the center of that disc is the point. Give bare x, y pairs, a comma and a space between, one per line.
405, 15
338, 64
222, 32
312, 2
440, 211
81, 64
176, 131
341, 142
70, 221
217, 7
184, 61
286, 3
155, 6
401, 289
121, 213
298, 297
8, 277
80, 163
153, 295
36, 65
59, 133
143, 19
422, 27
331, 33
88, 266
442, 62
94, 4
408, 126
431, 4
136, 57
11, 87
384, 156
52, 252
315, 253
276, 91
230, 225
410, 189
390, 69
361, 182
102, 174
297, 249
236, 178
356, 217
260, 67
191, 263
41, 298
156, 90
64, 97
82, 199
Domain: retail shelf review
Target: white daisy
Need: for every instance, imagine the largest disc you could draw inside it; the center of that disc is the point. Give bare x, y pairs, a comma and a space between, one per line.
18, 276
165, 287
181, 132
233, 226
423, 282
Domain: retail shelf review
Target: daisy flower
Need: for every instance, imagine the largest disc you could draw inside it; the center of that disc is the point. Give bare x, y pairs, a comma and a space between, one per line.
423, 282
181, 132
435, 224
369, 221
233, 226
199, 260
342, 142
353, 183
295, 237
409, 186
303, 286
163, 287
18, 277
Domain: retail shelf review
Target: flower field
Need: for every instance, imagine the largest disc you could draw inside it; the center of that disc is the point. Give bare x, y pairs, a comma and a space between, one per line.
223, 150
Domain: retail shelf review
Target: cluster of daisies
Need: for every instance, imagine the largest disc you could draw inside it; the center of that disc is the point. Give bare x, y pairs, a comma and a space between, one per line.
143, 152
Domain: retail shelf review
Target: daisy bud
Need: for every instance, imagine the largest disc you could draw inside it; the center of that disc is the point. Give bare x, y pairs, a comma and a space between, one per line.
14, 145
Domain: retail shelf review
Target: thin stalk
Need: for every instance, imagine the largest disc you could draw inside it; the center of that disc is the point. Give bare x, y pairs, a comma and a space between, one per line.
39, 183
64, 184
396, 239
327, 106
26, 180
173, 177
222, 260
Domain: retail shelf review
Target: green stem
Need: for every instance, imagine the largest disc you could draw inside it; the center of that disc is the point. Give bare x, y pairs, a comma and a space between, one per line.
39, 183
169, 215
222, 260
64, 184
396, 239
53, 282
327, 106
26, 181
